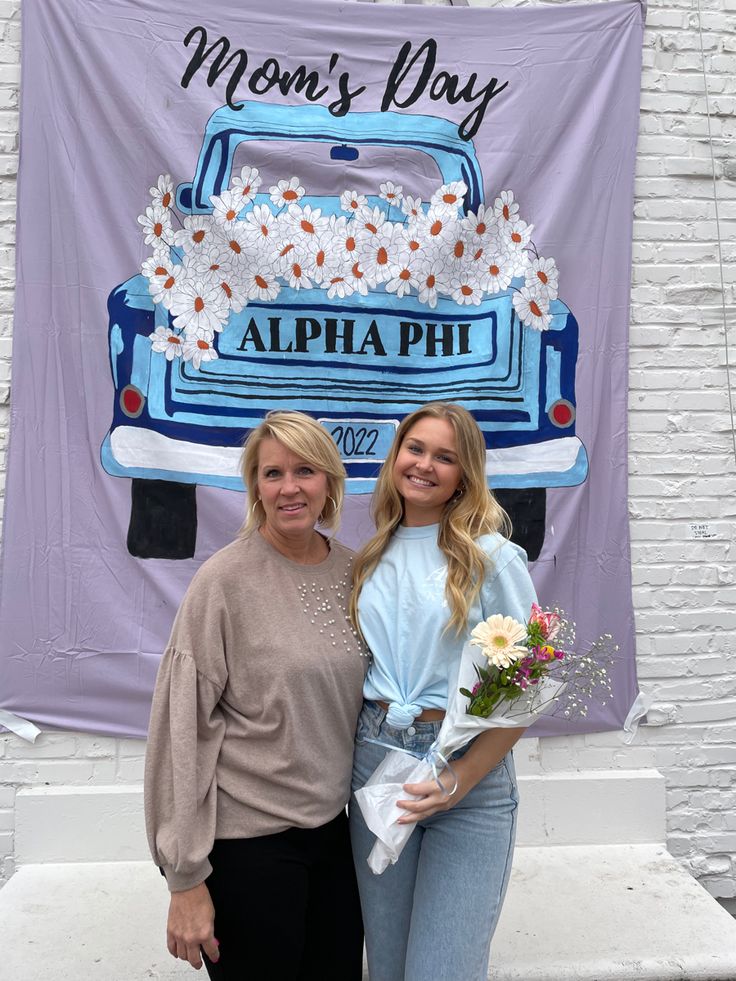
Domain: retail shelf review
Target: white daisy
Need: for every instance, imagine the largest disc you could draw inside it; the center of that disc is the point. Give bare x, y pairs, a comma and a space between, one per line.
215, 259
247, 184
437, 225
260, 223
357, 279
338, 286
495, 272
515, 236
286, 193
479, 223
198, 348
352, 202
197, 233
499, 639
165, 341
412, 208
377, 253
226, 207
542, 274
163, 193
403, 278
430, 279
321, 257
456, 250
260, 282
450, 196
294, 272
156, 224
345, 239
505, 208
306, 222
465, 289
162, 278
236, 241
368, 220
391, 193
231, 286
199, 304
532, 308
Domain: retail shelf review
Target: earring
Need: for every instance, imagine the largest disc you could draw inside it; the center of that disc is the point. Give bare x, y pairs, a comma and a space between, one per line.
252, 508
321, 517
459, 491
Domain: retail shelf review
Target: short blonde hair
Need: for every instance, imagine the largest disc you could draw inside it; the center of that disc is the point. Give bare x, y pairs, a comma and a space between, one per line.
306, 438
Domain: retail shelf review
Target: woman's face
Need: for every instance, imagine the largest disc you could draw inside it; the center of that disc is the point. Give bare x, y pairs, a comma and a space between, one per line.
427, 471
292, 491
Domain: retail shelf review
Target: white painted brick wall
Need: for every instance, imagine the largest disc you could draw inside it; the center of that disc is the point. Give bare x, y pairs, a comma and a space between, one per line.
681, 458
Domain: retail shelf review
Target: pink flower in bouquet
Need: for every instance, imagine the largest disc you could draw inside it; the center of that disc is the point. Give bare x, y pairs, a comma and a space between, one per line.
549, 622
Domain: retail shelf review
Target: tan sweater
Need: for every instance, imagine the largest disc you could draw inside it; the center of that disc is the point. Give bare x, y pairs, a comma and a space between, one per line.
255, 705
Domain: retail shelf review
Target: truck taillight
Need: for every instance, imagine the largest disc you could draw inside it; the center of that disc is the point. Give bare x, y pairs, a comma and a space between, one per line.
562, 413
132, 401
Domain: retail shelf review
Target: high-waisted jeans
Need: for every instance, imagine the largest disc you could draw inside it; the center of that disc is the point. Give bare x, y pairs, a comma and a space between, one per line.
433, 913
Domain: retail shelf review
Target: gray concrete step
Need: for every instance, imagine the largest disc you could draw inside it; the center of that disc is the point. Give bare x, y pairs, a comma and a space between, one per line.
610, 913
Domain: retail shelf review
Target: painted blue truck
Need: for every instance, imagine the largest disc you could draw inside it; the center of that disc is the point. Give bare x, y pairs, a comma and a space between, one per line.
174, 427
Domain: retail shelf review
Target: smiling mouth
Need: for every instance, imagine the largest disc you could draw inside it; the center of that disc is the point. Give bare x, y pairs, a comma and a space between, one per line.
419, 481
291, 508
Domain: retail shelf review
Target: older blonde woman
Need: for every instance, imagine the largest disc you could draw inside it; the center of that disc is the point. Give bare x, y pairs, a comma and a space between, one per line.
251, 735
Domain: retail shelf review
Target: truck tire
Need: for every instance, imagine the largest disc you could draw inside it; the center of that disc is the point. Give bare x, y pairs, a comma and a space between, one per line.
163, 519
527, 509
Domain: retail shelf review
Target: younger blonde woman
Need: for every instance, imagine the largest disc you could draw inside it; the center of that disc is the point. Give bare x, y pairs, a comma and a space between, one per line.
437, 565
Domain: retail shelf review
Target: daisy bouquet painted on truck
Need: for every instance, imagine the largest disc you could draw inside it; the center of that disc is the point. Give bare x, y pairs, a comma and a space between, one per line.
510, 674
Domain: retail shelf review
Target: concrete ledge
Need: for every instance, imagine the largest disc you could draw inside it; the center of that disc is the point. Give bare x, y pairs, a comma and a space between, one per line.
557, 809
572, 914
611, 913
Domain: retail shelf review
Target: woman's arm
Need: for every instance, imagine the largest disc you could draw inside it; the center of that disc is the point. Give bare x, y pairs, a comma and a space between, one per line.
487, 751
509, 590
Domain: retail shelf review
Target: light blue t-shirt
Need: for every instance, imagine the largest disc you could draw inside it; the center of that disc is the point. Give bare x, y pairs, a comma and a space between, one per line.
403, 611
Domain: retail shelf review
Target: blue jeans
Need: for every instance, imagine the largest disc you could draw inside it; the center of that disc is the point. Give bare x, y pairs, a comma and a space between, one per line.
433, 913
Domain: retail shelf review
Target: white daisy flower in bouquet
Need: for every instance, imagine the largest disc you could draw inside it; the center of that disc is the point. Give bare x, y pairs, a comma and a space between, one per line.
210, 260
464, 287
226, 207
377, 253
260, 224
344, 239
456, 250
162, 275
260, 282
197, 233
391, 193
157, 228
542, 274
495, 272
450, 196
236, 242
246, 186
505, 208
167, 342
410, 239
278, 250
199, 304
285, 193
499, 639
163, 192
412, 208
198, 347
352, 202
532, 307
306, 222
367, 221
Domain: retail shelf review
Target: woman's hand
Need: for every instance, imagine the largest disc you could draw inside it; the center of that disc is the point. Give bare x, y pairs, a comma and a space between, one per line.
432, 798
191, 926
487, 751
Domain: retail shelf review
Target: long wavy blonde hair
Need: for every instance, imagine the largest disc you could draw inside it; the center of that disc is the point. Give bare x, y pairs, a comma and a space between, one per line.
467, 515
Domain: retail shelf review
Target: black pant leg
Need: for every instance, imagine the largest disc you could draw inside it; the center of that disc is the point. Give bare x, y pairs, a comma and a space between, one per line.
259, 888
333, 949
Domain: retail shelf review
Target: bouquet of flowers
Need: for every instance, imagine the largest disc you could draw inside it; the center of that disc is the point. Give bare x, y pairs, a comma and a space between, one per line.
527, 670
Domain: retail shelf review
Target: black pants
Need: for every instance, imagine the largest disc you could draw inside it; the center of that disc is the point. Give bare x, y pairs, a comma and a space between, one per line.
287, 907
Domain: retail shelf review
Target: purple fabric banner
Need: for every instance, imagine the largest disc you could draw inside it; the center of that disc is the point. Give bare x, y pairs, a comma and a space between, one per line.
343, 208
